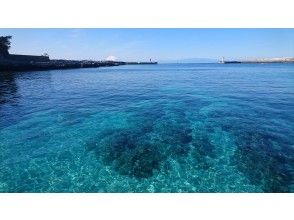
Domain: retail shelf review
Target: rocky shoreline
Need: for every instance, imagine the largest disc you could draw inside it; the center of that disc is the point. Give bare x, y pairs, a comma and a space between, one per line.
62, 64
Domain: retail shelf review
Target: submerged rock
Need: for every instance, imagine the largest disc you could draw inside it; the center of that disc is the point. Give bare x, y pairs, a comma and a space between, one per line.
141, 148
256, 158
127, 151
139, 163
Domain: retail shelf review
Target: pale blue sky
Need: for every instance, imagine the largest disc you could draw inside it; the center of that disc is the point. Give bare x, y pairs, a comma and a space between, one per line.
158, 44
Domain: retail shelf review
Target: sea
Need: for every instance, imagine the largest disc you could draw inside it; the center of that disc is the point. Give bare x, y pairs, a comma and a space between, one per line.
148, 128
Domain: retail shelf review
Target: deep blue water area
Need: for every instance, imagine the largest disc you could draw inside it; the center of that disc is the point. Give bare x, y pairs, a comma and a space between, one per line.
148, 128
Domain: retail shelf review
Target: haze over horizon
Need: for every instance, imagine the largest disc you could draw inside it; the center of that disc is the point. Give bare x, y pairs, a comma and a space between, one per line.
158, 44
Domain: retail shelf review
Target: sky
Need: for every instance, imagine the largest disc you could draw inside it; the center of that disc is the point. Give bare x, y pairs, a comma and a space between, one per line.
156, 44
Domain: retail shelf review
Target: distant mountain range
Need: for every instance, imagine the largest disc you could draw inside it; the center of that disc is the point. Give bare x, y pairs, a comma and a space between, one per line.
191, 60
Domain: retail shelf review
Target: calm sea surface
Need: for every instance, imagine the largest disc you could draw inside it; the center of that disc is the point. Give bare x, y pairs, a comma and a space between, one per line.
148, 128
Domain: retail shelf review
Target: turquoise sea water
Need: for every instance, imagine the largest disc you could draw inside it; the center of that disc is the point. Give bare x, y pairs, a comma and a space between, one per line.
148, 128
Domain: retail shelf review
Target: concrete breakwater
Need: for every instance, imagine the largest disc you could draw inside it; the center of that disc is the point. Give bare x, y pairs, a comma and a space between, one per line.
263, 60
9, 65
140, 63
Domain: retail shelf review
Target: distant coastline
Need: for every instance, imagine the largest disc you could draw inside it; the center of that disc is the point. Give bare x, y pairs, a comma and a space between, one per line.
19, 62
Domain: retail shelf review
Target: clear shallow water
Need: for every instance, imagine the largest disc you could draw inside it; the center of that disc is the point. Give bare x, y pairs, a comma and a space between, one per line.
157, 128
